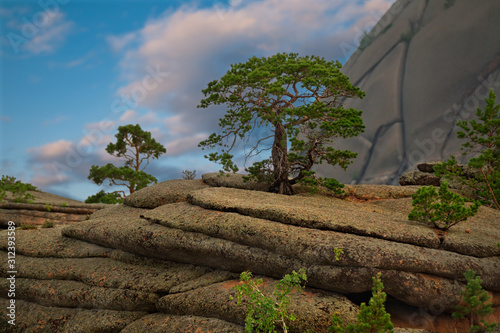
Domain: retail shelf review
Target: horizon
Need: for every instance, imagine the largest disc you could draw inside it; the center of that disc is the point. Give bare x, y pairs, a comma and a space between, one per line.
72, 71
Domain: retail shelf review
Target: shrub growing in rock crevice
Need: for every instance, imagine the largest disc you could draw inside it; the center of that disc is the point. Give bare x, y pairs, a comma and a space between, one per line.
371, 317
442, 209
264, 312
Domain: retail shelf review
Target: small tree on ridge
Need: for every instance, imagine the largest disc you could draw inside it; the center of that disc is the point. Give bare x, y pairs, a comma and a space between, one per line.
136, 146
297, 101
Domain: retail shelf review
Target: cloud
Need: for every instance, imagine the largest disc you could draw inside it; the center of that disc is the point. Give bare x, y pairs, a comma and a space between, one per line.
51, 150
40, 33
79, 61
185, 144
196, 46
5, 119
117, 43
128, 115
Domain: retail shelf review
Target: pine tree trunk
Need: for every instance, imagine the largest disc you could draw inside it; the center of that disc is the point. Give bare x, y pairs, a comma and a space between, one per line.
279, 156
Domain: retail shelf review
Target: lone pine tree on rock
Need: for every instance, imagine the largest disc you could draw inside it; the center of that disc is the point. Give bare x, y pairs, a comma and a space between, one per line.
289, 105
136, 146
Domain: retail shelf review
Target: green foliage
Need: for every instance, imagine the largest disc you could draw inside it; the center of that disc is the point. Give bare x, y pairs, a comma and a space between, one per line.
48, 224
17, 188
64, 204
103, 197
477, 304
442, 209
48, 207
136, 147
265, 312
313, 183
288, 105
27, 226
483, 137
371, 317
126, 176
188, 175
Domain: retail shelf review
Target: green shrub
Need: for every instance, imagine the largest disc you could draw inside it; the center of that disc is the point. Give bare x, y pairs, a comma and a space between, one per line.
265, 312
27, 226
103, 197
442, 209
477, 305
17, 188
48, 224
64, 204
371, 317
48, 207
483, 137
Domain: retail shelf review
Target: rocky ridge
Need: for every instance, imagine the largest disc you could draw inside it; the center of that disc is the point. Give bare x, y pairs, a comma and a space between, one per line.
167, 260
45, 207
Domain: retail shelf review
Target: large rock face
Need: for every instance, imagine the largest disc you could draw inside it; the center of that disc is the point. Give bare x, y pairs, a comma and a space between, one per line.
429, 64
171, 267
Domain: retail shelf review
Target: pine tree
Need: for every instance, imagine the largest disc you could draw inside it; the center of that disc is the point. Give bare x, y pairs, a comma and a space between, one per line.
477, 305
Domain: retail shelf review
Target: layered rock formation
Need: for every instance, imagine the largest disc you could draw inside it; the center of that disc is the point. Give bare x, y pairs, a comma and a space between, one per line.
425, 65
168, 261
45, 207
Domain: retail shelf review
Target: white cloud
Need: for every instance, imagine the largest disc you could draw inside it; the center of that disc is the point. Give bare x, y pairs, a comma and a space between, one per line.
184, 144
40, 33
117, 43
51, 35
128, 115
196, 46
52, 150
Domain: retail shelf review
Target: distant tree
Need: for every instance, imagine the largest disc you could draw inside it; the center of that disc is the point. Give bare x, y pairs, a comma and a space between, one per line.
297, 101
188, 175
103, 197
136, 147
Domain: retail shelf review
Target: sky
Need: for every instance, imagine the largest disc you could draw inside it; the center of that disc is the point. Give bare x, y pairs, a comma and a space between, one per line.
72, 71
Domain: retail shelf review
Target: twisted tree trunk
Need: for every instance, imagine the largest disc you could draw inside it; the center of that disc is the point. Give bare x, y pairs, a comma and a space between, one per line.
279, 155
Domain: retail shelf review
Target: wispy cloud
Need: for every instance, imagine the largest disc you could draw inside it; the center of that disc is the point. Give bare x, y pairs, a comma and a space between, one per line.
44, 37
117, 43
5, 119
52, 35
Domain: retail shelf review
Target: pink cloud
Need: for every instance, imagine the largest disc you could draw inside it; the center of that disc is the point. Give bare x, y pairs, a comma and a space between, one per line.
52, 150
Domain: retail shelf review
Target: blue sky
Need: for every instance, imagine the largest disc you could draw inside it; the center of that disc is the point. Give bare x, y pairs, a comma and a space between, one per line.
72, 71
